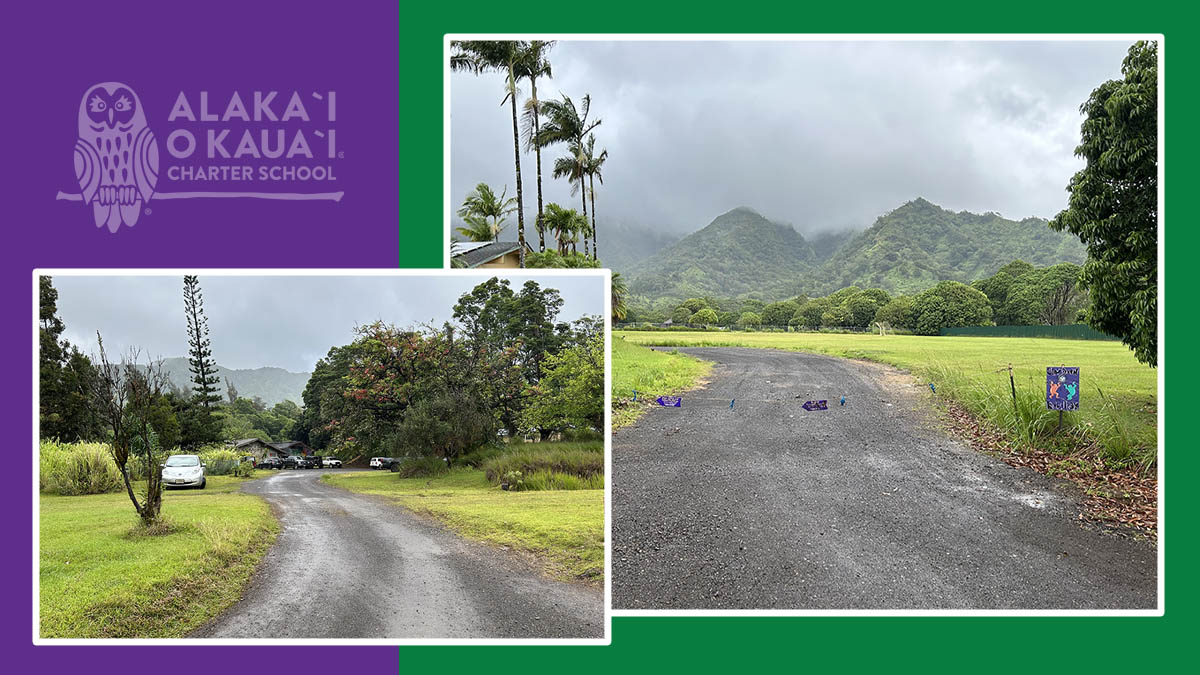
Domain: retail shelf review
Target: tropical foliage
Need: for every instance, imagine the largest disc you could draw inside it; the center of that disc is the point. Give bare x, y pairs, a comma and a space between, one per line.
484, 213
545, 123
1113, 206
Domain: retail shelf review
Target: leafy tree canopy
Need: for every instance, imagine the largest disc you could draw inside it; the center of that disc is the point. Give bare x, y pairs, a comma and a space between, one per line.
1113, 206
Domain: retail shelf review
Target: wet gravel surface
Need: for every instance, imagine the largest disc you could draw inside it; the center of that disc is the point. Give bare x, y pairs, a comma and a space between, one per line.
347, 565
866, 506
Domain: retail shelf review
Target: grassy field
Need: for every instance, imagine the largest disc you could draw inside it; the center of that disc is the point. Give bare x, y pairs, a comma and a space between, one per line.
650, 373
563, 528
1119, 401
100, 576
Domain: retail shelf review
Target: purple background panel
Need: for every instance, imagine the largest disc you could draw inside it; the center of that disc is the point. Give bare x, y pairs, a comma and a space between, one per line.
53, 53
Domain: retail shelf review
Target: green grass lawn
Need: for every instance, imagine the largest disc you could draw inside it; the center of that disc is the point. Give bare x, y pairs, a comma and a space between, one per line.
650, 373
1121, 423
100, 578
563, 528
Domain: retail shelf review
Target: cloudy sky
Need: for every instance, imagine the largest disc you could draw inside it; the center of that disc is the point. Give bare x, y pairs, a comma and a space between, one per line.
287, 322
821, 135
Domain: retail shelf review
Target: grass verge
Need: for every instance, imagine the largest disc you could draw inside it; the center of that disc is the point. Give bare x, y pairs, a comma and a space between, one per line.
650, 373
564, 529
102, 576
1117, 421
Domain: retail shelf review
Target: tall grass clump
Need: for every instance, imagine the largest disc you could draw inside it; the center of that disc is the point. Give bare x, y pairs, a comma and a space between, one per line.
554, 480
77, 469
1116, 432
1124, 438
551, 466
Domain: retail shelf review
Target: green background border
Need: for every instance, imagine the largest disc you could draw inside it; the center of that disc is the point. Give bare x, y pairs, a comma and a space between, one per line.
980, 644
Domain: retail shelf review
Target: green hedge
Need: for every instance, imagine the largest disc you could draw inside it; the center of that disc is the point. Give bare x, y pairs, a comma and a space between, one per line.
1076, 331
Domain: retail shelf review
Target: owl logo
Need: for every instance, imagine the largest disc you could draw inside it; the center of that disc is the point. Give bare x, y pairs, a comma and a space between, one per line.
116, 156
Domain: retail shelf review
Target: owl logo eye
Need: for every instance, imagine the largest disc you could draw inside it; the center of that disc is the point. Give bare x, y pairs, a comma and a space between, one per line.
123, 104
97, 104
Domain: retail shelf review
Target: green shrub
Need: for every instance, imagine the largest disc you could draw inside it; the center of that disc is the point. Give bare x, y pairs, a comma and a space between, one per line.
513, 480
421, 467
77, 469
223, 461
243, 470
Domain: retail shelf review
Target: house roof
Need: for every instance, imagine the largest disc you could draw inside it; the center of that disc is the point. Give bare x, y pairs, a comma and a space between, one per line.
246, 441
478, 255
285, 444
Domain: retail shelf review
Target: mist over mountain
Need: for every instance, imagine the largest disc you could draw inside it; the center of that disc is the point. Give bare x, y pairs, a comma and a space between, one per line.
741, 253
272, 385
625, 245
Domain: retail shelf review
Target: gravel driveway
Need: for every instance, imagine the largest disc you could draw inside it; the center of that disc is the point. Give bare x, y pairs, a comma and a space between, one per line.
347, 565
870, 505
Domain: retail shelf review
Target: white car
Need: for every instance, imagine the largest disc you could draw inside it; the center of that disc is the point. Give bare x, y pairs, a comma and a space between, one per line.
183, 471
377, 462
331, 463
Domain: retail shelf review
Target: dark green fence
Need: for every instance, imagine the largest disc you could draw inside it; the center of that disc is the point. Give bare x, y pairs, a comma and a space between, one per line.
1077, 331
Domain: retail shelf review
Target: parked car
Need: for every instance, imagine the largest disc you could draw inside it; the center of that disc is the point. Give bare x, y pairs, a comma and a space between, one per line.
271, 463
183, 471
331, 463
291, 462
376, 462
391, 463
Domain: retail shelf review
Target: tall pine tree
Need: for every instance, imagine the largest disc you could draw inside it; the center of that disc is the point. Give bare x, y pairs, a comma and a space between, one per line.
198, 422
200, 360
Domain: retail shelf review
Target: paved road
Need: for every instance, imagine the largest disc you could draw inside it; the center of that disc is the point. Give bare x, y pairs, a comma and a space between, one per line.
866, 506
352, 566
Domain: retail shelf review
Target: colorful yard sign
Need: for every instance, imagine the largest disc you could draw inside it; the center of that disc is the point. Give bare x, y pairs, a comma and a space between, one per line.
816, 405
670, 401
1062, 388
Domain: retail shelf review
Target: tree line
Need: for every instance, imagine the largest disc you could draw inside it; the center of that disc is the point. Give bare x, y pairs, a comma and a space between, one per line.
505, 365
1018, 294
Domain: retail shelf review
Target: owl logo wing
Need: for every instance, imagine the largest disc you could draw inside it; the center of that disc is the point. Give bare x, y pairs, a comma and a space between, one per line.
87, 169
145, 163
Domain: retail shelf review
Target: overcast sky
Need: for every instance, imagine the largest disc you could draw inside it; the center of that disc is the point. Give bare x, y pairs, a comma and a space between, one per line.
287, 322
821, 135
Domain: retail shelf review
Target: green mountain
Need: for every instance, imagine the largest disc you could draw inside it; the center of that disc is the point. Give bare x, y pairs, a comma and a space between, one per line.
739, 252
272, 385
907, 250
920, 244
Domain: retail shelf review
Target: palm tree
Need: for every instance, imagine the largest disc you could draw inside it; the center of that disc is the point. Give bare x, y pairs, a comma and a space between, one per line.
484, 213
570, 168
535, 65
504, 56
620, 295
592, 165
567, 124
566, 223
